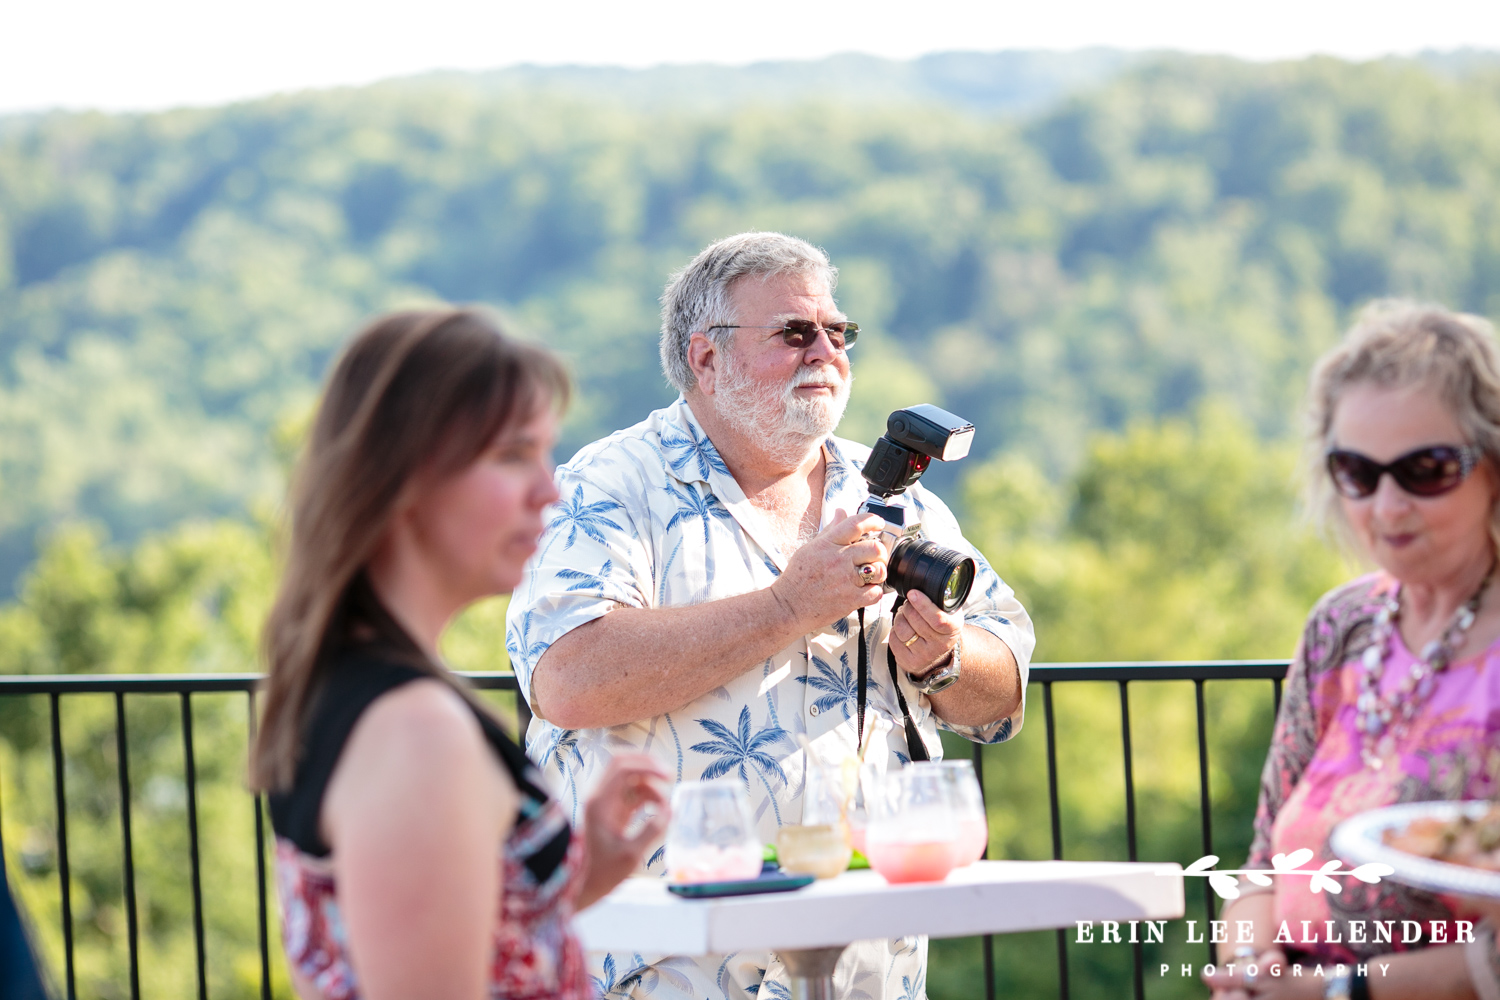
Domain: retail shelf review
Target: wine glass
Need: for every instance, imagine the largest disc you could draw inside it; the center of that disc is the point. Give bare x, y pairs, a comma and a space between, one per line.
711, 837
968, 804
913, 831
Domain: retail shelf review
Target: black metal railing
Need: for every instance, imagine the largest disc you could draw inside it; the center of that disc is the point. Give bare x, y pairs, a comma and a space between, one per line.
55, 688
1122, 674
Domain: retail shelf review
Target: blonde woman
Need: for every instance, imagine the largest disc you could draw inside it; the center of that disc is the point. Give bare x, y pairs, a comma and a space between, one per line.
1394, 695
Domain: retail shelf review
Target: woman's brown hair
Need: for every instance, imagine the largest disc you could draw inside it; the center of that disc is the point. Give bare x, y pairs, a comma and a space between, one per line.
414, 393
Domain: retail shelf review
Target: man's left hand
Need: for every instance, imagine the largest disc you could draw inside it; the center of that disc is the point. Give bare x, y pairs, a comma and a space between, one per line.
923, 635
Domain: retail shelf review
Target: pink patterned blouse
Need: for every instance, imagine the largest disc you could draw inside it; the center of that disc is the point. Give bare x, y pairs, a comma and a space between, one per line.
535, 957
1315, 777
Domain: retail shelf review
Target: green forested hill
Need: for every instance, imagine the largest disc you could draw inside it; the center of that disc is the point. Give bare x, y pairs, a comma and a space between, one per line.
172, 285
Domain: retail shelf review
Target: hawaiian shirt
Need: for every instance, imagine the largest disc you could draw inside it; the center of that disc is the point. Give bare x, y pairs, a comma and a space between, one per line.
652, 517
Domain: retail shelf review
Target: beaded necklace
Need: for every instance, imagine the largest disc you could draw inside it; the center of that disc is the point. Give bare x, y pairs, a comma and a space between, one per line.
1374, 713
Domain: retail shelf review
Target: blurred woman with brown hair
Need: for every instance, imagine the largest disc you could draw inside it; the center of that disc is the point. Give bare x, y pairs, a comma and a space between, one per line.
417, 852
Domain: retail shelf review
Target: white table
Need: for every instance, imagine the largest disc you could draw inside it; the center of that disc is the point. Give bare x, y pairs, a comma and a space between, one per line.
810, 928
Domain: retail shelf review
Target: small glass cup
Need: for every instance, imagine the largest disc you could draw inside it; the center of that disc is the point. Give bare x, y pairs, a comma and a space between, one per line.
711, 837
968, 805
819, 845
813, 849
913, 831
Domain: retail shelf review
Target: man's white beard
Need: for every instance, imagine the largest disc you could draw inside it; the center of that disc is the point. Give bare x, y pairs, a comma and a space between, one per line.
787, 426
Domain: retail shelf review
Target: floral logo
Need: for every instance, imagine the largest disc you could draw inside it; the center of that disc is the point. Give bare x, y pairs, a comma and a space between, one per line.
1228, 887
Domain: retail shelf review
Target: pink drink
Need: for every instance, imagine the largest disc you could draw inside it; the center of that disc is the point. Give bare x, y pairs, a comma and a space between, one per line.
973, 838
928, 861
707, 863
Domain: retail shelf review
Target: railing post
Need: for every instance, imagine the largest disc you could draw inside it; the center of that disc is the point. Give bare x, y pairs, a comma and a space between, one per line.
1062, 935
523, 718
1205, 804
987, 943
191, 776
260, 874
63, 877
122, 762
1137, 957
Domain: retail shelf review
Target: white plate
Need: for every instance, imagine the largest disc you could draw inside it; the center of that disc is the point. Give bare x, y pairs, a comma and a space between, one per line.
1358, 841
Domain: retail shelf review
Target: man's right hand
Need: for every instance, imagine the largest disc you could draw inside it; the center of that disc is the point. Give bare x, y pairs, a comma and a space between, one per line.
823, 581
669, 656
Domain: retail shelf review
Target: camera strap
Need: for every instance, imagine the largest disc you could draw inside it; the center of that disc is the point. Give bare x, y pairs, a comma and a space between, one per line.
864, 682
916, 749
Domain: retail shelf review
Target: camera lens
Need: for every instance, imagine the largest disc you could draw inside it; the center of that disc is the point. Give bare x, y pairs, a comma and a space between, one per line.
956, 587
944, 575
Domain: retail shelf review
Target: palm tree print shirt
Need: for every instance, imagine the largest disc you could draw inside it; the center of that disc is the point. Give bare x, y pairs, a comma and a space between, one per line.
651, 517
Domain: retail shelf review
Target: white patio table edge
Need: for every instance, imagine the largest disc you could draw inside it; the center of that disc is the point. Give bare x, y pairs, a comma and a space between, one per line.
987, 897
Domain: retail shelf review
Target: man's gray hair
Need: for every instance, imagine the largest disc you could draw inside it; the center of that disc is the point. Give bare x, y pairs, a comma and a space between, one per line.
697, 297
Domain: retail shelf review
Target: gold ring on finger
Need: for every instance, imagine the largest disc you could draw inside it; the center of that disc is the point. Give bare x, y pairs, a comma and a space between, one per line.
908, 642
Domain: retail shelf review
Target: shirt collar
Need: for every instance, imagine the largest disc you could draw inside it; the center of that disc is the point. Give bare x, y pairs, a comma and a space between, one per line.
686, 448
692, 457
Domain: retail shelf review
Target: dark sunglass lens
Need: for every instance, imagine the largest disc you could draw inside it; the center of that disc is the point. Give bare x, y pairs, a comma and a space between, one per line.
1430, 471
836, 334
799, 333
1353, 475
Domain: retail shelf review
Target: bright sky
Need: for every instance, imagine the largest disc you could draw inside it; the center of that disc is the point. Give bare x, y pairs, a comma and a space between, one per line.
119, 54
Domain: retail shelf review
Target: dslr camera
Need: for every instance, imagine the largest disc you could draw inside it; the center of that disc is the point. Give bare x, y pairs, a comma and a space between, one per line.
913, 438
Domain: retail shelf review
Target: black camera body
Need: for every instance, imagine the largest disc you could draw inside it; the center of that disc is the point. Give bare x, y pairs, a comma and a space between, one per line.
913, 438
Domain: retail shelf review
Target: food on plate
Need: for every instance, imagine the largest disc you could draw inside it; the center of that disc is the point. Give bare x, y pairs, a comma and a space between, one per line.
1462, 840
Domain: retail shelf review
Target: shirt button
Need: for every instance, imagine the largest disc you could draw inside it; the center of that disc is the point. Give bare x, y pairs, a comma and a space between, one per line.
814, 711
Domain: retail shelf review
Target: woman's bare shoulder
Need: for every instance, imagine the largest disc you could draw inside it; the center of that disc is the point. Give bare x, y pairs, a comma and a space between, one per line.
412, 744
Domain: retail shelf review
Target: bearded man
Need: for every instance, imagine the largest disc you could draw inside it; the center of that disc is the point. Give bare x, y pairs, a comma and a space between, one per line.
703, 586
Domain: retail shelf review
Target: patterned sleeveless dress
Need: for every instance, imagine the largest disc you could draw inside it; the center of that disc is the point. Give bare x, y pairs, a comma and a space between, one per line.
535, 955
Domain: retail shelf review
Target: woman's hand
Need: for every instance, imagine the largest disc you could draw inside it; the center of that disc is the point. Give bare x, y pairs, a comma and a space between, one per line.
617, 832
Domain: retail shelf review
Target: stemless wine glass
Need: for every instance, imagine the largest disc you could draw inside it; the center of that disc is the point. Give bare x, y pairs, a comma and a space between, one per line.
968, 805
819, 845
913, 831
711, 837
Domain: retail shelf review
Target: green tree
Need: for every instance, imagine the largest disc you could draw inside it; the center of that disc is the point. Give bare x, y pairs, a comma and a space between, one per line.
172, 284
1174, 540
188, 602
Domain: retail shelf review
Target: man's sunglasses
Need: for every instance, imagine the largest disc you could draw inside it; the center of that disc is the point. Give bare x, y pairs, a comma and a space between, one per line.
1426, 472
800, 333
